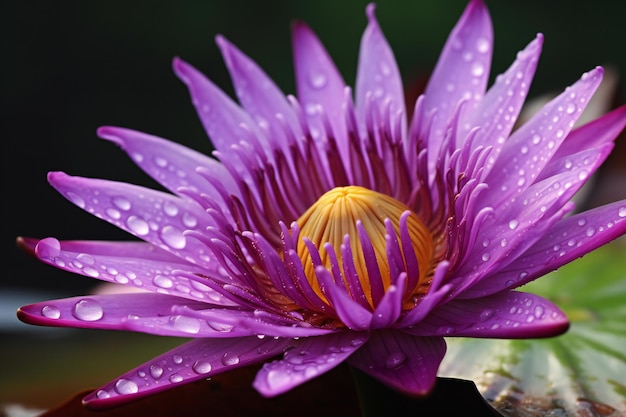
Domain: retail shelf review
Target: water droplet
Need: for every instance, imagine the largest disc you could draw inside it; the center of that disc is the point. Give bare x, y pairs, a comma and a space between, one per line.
201, 367
162, 281
571, 108
621, 212
478, 69
395, 360
276, 379
76, 199
536, 139
156, 371
177, 359
185, 324
51, 312
138, 225
482, 45
317, 80
590, 231
539, 311
485, 257
173, 237
230, 359
513, 224
102, 394
121, 203
189, 220
486, 314
88, 310
176, 378
126, 386
170, 208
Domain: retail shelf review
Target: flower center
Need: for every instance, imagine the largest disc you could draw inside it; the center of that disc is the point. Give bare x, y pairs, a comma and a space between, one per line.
335, 215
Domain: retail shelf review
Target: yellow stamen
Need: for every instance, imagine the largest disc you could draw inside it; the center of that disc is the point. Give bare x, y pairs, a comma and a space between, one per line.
335, 215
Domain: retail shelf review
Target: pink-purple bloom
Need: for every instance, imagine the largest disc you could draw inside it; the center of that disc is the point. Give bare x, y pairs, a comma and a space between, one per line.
330, 228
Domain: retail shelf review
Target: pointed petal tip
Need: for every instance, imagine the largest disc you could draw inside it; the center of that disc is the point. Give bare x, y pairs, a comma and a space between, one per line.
370, 10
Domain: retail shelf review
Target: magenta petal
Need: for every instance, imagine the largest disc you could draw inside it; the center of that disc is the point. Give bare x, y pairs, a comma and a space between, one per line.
154, 216
221, 117
169, 163
112, 311
389, 309
530, 148
510, 315
404, 362
349, 311
497, 112
135, 264
260, 96
378, 77
319, 85
569, 239
192, 361
462, 70
312, 357
595, 133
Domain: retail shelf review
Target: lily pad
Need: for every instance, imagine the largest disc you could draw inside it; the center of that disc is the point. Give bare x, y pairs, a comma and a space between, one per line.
581, 373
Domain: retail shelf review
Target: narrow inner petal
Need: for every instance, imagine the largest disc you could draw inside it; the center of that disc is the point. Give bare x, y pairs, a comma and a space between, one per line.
336, 215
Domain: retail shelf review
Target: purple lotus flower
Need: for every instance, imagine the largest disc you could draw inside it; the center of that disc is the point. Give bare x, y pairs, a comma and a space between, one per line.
329, 230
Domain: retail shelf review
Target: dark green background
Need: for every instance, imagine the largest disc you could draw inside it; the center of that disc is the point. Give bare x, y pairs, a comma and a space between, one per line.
71, 66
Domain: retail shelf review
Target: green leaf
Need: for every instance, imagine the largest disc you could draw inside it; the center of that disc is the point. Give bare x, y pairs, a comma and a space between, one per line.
582, 372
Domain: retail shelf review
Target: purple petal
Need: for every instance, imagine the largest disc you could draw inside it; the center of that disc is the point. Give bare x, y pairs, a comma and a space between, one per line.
113, 311
350, 312
258, 322
378, 77
569, 239
497, 112
260, 96
388, 310
169, 163
311, 358
510, 315
404, 362
462, 70
192, 361
222, 117
135, 264
319, 84
594, 134
153, 216
531, 147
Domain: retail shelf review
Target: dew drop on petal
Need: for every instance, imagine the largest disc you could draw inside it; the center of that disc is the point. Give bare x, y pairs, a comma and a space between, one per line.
156, 371
121, 203
185, 324
162, 281
173, 237
482, 45
622, 212
539, 311
138, 225
170, 208
126, 386
51, 312
102, 394
276, 379
189, 220
317, 79
395, 360
230, 359
76, 199
486, 314
478, 69
88, 310
201, 367
177, 359
513, 224
176, 378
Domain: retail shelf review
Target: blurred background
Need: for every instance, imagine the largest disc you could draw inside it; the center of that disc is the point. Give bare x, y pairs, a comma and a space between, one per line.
72, 66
